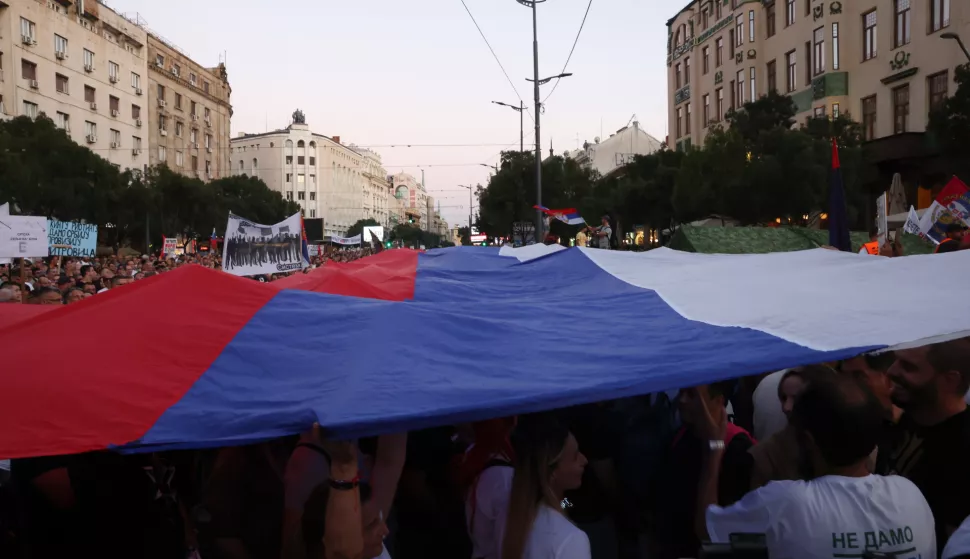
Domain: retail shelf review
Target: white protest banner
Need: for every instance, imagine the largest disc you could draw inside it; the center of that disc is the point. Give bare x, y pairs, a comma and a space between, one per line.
169, 246
882, 221
355, 240
912, 223
23, 236
372, 232
252, 249
69, 238
4, 212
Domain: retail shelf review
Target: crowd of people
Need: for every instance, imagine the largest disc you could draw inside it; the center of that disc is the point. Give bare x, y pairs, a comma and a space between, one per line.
67, 280
861, 458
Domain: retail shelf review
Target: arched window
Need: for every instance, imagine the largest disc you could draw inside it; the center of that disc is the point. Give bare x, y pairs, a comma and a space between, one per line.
255, 166
289, 146
677, 38
300, 144
240, 165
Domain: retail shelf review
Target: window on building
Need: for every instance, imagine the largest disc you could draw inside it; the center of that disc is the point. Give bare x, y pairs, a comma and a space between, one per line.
680, 122
61, 81
313, 161
677, 76
193, 108
28, 69
88, 59
835, 46
178, 101
64, 121
904, 21
113, 71
136, 143
808, 62
706, 60
208, 141
28, 29
706, 116
135, 112
939, 14
289, 177
205, 111
193, 136
819, 112
89, 94
159, 60
754, 86
818, 62
718, 14
771, 71
734, 93
937, 86
770, 17
740, 85
289, 159
313, 195
301, 160
60, 45
176, 70
718, 52
114, 104
751, 26
835, 110
161, 92
687, 120
686, 70
869, 118
901, 109
255, 166
705, 19
179, 128
180, 159
208, 168
869, 43
135, 81
789, 13
192, 79
205, 86
90, 128
195, 162
30, 109
161, 122
719, 104
115, 137
300, 178
791, 63
301, 195
313, 212
739, 30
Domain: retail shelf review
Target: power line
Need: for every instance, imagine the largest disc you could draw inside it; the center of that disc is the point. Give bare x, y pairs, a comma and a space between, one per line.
571, 51
480, 32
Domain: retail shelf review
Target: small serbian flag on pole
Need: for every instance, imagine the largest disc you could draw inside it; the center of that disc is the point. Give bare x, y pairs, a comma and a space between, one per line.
213, 240
569, 215
838, 216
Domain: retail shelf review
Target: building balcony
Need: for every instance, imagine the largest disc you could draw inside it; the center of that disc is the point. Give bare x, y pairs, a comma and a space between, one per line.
832, 84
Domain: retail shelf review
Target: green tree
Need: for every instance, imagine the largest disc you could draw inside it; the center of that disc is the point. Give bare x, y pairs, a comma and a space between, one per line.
464, 233
410, 235
949, 125
358, 227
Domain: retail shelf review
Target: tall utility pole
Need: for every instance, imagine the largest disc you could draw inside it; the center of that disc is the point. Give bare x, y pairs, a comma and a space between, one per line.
469, 187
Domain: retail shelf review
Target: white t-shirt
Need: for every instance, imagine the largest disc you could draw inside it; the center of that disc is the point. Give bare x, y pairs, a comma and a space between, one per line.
487, 525
832, 516
768, 415
384, 555
553, 536
959, 543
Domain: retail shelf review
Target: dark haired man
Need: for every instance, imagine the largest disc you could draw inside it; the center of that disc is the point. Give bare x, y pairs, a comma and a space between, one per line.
933, 448
674, 489
845, 511
46, 296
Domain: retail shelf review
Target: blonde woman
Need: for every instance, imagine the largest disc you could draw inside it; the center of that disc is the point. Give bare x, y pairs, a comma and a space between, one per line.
548, 464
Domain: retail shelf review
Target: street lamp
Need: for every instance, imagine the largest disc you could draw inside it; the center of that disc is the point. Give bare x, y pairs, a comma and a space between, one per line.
469, 210
486, 165
521, 110
954, 36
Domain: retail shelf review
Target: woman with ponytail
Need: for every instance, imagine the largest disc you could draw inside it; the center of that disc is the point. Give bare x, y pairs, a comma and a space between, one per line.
548, 463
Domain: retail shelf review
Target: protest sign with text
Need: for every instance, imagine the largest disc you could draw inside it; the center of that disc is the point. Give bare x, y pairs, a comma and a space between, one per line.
252, 249
69, 238
23, 236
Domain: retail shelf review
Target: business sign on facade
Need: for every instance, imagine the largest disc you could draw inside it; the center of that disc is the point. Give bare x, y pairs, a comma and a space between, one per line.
69, 238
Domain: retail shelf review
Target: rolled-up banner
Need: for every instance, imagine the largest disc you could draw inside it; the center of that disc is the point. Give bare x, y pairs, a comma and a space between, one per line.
355, 240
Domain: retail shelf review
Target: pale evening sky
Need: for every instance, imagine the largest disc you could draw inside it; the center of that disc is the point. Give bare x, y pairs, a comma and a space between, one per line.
381, 72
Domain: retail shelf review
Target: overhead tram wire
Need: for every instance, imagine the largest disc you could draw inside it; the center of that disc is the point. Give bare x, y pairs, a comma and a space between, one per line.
489, 45
571, 51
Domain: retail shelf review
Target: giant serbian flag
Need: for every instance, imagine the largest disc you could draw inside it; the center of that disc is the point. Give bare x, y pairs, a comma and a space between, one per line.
446, 336
252, 249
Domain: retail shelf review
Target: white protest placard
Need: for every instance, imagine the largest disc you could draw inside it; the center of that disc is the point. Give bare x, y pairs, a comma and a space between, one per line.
372, 232
253, 249
169, 246
23, 236
912, 223
882, 218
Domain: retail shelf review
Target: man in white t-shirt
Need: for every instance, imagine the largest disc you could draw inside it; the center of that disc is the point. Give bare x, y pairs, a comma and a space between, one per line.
844, 511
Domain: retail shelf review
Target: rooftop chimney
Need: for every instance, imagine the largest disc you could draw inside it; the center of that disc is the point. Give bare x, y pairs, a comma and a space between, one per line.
336, 139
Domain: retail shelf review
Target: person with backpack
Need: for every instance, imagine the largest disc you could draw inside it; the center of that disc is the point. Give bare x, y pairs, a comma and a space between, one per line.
603, 233
673, 499
485, 478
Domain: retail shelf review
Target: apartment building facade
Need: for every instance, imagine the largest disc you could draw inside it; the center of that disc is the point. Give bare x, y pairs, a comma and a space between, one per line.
83, 66
377, 189
412, 199
885, 63
325, 177
189, 111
